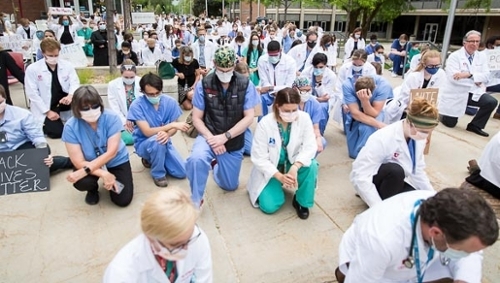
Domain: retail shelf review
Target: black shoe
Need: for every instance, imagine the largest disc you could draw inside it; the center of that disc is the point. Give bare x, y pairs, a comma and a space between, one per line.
145, 163
92, 197
302, 212
474, 129
161, 182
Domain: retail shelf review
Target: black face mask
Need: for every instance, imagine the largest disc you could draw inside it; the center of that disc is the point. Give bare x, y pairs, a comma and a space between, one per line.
311, 44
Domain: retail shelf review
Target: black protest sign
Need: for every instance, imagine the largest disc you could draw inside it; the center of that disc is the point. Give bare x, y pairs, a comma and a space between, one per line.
23, 171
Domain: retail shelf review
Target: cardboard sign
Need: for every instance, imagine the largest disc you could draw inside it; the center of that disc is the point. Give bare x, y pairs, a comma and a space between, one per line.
23, 171
74, 54
431, 94
16, 43
60, 11
143, 18
493, 59
41, 25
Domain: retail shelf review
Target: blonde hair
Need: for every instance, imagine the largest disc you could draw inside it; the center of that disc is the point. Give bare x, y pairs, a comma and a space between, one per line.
242, 68
168, 214
48, 44
422, 108
185, 50
426, 55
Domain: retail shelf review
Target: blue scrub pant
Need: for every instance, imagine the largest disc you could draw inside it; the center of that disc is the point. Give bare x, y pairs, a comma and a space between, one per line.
358, 133
396, 63
248, 142
226, 171
164, 159
323, 122
267, 100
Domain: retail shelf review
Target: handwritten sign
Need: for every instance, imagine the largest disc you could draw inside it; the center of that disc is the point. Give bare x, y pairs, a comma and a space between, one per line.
16, 43
431, 94
493, 59
23, 171
143, 18
74, 54
60, 11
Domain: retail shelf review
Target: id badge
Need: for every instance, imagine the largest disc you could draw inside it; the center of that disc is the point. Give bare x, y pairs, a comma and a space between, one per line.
3, 137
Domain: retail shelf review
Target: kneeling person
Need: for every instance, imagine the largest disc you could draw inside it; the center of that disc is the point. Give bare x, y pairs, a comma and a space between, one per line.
155, 116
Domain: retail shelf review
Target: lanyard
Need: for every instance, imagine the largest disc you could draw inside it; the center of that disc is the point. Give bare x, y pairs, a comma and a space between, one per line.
283, 145
430, 254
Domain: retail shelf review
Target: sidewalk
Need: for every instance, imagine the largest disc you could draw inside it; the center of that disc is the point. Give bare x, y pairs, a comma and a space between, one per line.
55, 237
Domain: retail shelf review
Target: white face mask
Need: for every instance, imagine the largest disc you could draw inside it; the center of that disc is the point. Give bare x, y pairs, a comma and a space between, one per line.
166, 254
91, 115
255, 42
187, 58
289, 117
419, 136
224, 77
128, 81
450, 253
357, 36
3, 105
305, 95
274, 59
52, 60
357, 68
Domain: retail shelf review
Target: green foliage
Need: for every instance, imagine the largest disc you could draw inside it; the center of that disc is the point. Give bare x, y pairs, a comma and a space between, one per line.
214, 7
158, 9
86, 76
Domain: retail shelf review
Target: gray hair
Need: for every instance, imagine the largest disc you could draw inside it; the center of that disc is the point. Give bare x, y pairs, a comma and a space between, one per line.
471, 32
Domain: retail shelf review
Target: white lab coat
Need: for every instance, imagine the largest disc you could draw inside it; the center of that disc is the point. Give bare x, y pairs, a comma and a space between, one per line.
209, 50
330, 52
38, 84
59, 29
135, 263
349, 46
266, 148
20, 31
117, 98
413, 80
387, 145
298, 53
415, 60
328, 84
150, 58
280, 76
268, 39
371, 58
454, 95
490, 161
379, 239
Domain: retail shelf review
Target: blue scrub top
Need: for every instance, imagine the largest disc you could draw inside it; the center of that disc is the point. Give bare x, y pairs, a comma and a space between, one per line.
142, 110
20, 127
77, 131
383, 90
313, 108
251, 97
397, 45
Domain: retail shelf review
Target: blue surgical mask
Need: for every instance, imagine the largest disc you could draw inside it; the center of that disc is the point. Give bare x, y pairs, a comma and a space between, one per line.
274, 59
299, 33
202, 38
65, 23
318, 71
432, 71
154, 100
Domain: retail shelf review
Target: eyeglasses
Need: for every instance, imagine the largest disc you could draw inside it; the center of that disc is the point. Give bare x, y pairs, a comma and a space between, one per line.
128, 68
473, 41
87, 108
182, 246
433, 66
152, 94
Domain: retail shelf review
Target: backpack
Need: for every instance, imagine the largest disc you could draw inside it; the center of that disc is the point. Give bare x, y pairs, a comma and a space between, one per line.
165, 70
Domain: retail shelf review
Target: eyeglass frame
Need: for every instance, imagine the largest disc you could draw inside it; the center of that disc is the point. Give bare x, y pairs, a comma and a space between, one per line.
182, 246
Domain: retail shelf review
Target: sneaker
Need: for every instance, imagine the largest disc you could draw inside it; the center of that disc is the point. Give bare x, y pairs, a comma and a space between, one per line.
161, 182
92, 197
473, 166
145, 163
394, 75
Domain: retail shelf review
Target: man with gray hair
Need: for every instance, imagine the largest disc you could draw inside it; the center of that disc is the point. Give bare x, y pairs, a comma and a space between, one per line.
467, 74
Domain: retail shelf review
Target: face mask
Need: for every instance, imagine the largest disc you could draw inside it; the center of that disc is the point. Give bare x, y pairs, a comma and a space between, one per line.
497, 47
128, 81
187, 58
311, 44
419, 136
255, 42
202, 38
328, 45
102, 27
274, 59
402, 43
357, 35
450, 253
318, 71
305, 95
2, 106
299, 33
154, 100
357, 69
374, 42
91, 115
289, 117
52, 60
39, 35
165, 254
432, 71
65, 23
224, 77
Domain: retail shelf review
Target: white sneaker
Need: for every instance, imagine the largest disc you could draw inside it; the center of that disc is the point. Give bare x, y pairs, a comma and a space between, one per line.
394, 75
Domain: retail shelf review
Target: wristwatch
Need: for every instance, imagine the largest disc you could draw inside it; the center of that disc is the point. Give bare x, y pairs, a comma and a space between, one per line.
87, 170
228, 135
471, 75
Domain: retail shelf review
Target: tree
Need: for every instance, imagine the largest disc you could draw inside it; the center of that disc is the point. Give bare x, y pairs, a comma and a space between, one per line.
111, 37
127, 21
279, 3
214, 7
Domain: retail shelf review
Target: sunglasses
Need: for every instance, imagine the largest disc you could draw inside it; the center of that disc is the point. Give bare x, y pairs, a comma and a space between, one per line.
94, 107
433, 66
128, 68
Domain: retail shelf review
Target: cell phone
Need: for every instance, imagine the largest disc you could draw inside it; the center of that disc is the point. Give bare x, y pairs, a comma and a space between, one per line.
119, 187
3, 137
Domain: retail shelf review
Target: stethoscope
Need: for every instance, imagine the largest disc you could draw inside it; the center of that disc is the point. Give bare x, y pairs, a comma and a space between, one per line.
409, 262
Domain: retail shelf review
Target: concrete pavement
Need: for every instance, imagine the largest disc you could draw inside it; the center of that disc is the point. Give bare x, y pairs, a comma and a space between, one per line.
55, 237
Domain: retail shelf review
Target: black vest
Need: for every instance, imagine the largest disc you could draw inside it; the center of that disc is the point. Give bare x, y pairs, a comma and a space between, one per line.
222, 113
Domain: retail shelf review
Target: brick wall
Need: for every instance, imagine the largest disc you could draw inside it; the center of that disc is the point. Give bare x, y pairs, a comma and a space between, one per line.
29, 9
245, 10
